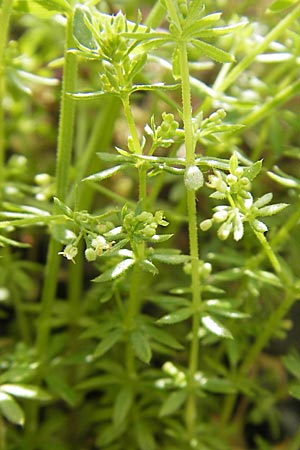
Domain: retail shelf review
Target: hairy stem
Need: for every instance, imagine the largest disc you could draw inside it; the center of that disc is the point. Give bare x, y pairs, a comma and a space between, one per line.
64, 150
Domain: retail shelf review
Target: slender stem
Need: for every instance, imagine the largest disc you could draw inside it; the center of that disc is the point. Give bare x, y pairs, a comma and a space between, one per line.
191, 413
100, 138
156, 15
131, 124
5, 13
67, 115
64, 149
269, 252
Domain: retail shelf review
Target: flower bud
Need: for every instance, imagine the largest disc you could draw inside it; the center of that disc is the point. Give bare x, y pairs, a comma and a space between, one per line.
206, 224
90, 254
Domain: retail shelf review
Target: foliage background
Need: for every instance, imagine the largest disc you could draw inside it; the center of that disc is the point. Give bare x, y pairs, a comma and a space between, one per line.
80, 367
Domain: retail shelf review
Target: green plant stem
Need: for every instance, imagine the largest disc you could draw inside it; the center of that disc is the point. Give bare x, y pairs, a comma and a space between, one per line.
269, 252
133, 305
131, 312
100, 138
64, 150
5, 13
191, 413
156, 15
191, 410
131, 124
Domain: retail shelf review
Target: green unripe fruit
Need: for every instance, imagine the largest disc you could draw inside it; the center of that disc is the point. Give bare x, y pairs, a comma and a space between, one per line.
193, 178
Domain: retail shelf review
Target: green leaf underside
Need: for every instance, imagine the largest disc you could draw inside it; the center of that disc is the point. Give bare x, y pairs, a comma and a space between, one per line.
116, 271
213, 52
26, 391
178, 316
104, 174
215, 327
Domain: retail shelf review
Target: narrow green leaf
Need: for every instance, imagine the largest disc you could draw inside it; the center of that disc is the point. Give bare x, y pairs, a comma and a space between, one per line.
252, 171
62, 207
144, 436
233, 163
154, 87
122, 405
163, 337
270, 210
173, 402
89, 96
60, 6
219, 386
81, 31
11, 410
263, 200
215, 327
178, 316
148, 266
157, 238
264, 276
107, 173
213, 52
140, 344
281, 5
168, 258
108, 342
285, 180
221, 31
7, 241
116, 271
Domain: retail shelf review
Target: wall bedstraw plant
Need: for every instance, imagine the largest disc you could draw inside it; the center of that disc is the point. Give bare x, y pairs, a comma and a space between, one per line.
145, 269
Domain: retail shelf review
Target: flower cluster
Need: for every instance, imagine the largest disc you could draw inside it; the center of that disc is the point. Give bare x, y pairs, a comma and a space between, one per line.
235, 188
98, 245
164, 134
144, 225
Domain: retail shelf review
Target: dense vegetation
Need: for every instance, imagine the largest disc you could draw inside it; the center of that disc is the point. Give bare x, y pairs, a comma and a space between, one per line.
149, 187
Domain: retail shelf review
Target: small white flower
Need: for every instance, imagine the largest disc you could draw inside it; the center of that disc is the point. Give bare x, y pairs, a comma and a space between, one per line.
69, 252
